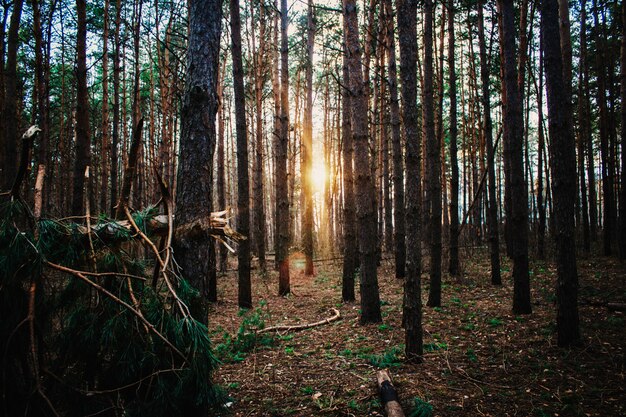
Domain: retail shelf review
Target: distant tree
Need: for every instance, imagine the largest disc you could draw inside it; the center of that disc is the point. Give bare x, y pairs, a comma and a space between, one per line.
307, 144
243, 185
622, 233
487, 128
365, 207
453, 266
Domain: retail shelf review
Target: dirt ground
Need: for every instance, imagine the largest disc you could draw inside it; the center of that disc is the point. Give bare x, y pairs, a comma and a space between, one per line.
480, 358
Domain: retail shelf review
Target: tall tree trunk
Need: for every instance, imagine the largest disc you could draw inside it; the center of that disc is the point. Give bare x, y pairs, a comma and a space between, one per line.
365, 207
10, 118
607, 178
453, 266
541, 232
584, 131
83, 145
398, 166
433, 162
516, 205
221, 161
412, 303
115, 137
197, 143
243, 184
259, 205
282, 199
307, 145
106, 146
622, 213
492, 206
350, 243
562, 165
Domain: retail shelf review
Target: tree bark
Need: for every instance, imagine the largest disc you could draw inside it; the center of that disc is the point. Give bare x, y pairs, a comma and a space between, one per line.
492, 205
243, 181
105, 145
412, 303
433, 163
307, 145
350, 243
365, 207
398, 166
115, 136
584, 132
83, 145
453, 266
197, 143
622, 213
562, 165
516, 205
282, 199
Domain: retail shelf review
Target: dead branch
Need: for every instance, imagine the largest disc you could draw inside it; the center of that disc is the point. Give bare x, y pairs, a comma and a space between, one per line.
297, 327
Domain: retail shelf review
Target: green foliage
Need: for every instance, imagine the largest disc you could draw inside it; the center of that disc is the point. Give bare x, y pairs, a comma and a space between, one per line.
88, 341
388, 359
494, 322
235, 349
421, 408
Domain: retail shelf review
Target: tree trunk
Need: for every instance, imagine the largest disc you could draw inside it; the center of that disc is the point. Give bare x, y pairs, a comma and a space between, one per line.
412, 303
115, 137
562, 165
282, 200
492, 206
106, 146
453, 266
516, 205
365, 207
584, 131
433, 163
398, 166
83, 145
622, 213
197, 143
307, 145
243, 183
221, 176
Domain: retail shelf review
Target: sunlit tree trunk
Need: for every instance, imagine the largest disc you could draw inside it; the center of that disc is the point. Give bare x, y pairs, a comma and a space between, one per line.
562, 165
365, 207
307, 145
282, 200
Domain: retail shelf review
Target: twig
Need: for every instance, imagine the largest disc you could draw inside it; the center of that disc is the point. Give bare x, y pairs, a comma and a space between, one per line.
298, 327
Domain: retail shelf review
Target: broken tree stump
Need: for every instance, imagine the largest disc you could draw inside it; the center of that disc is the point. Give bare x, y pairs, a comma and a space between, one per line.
388, 394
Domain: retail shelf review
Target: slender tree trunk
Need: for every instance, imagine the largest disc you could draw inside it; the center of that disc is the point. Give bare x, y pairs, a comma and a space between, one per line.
562, 165
584, 131
412, 303
365, 207
115, 137
350, 243
197, 143
541, 232
221, 161
622, 213
398, 166
453, 266
243, 183
106, 146
282, 200
516, 205
433, 163
10, 122
307, 145
83, 148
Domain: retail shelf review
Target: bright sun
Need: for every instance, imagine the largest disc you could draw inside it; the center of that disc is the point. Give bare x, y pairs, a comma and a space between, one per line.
318, 176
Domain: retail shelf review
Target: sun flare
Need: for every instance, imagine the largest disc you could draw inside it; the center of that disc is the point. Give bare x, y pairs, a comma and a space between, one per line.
318, 176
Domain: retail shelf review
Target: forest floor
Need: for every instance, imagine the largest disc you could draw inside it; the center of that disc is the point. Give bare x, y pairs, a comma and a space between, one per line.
480, 359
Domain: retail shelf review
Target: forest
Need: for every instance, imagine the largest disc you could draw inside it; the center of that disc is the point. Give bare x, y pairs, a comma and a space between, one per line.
313, 207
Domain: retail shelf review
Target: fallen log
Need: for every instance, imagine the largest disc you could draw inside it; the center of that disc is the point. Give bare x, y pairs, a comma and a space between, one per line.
616, 306
388, 394
293, 328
